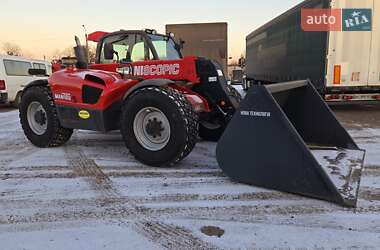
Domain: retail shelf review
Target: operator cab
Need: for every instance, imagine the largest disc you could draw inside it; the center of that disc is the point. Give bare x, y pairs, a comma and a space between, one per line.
132, 46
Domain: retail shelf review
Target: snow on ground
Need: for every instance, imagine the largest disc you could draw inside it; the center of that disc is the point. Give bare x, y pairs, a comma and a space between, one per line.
92, 194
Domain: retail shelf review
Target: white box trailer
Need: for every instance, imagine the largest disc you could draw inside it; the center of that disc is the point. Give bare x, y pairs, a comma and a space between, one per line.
344, 66
355, 55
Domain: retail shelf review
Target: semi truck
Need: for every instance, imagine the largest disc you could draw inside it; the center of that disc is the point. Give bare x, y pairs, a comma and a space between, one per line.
343, 65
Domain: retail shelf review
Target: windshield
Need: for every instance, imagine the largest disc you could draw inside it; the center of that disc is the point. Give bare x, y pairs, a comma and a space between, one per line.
165, 47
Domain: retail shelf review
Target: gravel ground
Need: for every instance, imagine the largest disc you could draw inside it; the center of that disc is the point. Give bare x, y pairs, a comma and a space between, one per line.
92, 194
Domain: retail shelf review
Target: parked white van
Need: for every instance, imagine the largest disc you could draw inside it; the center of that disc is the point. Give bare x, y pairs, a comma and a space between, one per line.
14, 76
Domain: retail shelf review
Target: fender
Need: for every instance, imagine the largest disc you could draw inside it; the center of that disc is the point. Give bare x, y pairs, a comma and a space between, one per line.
40, 82
147, 83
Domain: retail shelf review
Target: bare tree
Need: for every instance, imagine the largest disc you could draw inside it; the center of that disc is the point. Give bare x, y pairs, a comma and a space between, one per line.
11, 49
58, 54
68, 52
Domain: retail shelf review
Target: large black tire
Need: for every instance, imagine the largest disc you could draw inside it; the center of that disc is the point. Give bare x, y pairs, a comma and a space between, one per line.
178, 115
212, 131
54, 135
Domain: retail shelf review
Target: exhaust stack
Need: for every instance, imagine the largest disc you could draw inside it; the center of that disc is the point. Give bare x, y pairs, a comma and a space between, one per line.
80, 54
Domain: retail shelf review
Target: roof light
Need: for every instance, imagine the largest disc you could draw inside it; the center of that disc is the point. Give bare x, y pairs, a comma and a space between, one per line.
151, 31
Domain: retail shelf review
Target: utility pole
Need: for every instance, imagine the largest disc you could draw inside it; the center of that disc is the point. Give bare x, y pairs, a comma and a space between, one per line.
87, 48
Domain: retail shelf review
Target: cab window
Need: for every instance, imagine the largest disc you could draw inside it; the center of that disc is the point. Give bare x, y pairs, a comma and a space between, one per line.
127, 48
165, 47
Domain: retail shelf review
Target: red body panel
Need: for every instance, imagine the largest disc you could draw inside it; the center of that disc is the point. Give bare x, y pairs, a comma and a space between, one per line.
96, 36
56, 67
66, 86
176, 70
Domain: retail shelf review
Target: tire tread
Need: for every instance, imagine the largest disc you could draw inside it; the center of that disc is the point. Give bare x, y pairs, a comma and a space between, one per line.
189, 116
60, 135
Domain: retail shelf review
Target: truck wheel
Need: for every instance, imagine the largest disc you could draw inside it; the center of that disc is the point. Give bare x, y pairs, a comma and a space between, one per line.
17, 101
39, 118
159, 126
212, 131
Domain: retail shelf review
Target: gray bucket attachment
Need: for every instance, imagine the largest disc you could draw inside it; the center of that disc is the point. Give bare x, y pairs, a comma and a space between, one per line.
285, 137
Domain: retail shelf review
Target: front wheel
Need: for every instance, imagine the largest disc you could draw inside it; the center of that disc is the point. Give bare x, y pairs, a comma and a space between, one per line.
213, 130
159, 126
39, 118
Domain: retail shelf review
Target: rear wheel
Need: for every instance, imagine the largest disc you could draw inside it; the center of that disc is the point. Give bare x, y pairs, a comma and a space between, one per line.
39, 118
213, 130
159, 126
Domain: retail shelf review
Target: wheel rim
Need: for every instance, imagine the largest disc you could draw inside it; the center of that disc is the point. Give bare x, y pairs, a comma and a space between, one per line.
37, 118
151, 128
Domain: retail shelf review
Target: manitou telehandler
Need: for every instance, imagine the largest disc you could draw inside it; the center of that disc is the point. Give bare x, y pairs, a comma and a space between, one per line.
282, 137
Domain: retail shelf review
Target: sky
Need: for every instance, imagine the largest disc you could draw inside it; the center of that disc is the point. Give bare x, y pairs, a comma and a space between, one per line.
41, 27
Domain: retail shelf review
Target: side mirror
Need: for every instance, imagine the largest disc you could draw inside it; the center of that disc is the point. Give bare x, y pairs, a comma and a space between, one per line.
37, 72
179, 46
108, 51
127, 59
181, 43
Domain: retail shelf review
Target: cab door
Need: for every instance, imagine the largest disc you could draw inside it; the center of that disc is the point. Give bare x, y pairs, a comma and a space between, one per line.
127, 48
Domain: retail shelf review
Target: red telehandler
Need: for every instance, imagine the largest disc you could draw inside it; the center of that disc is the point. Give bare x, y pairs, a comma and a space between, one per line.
282, 136
141, 85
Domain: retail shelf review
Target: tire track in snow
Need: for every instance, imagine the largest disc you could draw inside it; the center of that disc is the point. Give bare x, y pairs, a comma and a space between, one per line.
247, 214
371, 171
115, 174
82, 167
99, 181
369, 194
170, 236
141, 200
19, 155
87, 168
